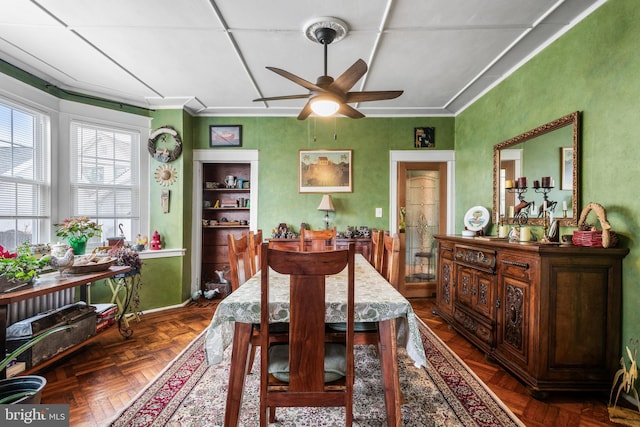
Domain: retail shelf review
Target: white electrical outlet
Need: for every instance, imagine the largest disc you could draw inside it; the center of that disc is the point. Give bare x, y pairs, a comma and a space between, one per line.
378, 212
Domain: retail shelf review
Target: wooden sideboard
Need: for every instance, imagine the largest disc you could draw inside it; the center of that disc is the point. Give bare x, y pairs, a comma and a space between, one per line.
363, 245
549, 314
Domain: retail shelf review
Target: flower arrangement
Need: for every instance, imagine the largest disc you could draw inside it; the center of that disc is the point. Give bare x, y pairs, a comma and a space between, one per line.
21, 265
126, 256
79, 228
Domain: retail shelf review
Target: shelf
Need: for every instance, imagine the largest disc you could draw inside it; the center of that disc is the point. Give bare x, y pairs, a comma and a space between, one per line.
226, 209
226, 226
228, 190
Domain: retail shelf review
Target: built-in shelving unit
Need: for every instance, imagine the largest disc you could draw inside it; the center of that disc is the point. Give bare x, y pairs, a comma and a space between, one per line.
225, 210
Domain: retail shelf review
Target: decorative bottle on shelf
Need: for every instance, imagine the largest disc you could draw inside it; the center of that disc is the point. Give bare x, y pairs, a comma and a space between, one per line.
156, 242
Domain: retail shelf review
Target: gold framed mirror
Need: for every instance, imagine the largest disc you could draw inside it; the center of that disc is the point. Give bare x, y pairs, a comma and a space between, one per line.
548, 153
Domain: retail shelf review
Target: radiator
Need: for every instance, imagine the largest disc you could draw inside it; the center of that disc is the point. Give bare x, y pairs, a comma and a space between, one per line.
30, 307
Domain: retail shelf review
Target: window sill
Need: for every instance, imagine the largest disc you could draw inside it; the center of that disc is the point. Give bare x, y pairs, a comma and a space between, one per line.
162, 253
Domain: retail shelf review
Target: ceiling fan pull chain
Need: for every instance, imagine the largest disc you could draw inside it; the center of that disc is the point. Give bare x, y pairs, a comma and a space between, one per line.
335, 128
315, 127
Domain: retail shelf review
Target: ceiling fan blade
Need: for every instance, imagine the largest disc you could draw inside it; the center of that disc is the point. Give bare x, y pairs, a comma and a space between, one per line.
349, 111
306, 111
350, 76
298, 80
375, 95
281, 98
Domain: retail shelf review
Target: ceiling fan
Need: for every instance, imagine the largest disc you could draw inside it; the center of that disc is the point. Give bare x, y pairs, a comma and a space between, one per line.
328, 95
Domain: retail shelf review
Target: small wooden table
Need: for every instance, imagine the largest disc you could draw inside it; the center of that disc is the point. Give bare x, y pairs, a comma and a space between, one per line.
47, 284
375, 301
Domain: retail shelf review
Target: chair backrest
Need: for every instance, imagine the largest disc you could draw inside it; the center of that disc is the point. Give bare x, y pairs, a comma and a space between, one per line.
321, 240
240, 259
377, 247
307, 272
391, 259
255, 242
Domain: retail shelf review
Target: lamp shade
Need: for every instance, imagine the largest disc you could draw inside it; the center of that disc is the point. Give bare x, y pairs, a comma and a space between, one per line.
324, 105
326, 204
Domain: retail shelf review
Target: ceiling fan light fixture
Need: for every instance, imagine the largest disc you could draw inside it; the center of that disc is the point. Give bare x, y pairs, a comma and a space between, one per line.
324, 106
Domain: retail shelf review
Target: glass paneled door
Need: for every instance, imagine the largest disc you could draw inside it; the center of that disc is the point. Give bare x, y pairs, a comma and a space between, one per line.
422, 202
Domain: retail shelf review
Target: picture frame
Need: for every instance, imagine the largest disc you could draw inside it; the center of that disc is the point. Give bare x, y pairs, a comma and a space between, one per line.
424, 137
225, 136
325, 171
566, 165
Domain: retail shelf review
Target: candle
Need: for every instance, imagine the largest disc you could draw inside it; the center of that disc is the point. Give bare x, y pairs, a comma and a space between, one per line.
503, 231
525, 234
523, 182
511, 211
564, 205
536, 184
546, 181
544, 205
508, 184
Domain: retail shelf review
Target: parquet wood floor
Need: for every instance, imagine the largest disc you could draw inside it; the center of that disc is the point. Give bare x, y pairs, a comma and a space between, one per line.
100, 379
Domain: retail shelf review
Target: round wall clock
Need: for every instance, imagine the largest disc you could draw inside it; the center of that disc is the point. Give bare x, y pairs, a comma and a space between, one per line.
166, 175
165, 134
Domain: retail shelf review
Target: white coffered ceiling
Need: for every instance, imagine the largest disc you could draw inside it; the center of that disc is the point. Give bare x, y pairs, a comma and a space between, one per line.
209, 56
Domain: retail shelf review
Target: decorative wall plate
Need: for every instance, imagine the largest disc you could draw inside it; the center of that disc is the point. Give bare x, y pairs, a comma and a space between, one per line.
476, 218
166, 175
165, 134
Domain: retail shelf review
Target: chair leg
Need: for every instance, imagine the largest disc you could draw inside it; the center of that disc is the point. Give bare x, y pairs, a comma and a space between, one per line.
252, 357
272, 414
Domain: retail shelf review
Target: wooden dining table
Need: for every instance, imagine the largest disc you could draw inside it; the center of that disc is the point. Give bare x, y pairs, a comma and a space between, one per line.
375, 301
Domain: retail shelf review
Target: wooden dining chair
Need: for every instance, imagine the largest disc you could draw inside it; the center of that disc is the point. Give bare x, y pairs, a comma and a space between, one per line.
391, 259
377, 246
255, 243
321, 240
240, 259
306, 371
241, 266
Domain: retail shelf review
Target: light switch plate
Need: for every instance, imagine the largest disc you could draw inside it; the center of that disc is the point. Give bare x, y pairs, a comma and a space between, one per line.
378, 212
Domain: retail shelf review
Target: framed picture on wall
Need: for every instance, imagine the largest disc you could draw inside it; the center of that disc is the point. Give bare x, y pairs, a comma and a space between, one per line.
225, 136
325, 171
424, 137
567, 168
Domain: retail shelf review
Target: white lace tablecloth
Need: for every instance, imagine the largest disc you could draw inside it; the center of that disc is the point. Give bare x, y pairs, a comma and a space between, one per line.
375, 300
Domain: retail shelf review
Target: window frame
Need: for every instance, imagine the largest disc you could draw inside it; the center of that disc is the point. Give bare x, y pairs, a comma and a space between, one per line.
94, 116
41, 145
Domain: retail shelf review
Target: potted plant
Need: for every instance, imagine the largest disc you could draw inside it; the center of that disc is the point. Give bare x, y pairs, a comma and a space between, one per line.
25, 389
625, 381
19, 268
78, 231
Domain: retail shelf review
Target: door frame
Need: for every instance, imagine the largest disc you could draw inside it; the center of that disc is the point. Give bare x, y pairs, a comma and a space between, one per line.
415, 156
201, 157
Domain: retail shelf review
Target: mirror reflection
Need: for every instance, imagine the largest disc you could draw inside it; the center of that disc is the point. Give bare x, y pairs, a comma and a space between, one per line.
538, 170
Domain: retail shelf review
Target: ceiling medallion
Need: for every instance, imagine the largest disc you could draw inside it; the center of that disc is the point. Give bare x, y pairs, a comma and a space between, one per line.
338, 25
166, 175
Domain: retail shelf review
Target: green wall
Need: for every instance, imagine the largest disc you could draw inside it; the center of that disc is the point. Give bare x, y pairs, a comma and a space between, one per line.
279, 139
593, 68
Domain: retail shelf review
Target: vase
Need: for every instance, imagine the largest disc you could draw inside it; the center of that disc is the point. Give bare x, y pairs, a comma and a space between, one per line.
79, 244
22, 389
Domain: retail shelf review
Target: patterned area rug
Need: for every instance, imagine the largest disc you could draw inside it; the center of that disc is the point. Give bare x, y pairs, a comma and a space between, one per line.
447, 393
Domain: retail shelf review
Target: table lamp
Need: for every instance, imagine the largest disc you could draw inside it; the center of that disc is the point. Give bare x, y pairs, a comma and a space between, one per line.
326, 205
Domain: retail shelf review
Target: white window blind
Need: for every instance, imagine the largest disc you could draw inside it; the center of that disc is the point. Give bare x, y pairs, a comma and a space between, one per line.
25, 190
105, 181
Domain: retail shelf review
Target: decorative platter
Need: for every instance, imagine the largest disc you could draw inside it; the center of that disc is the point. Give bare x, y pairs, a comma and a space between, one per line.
91, 267
476, 218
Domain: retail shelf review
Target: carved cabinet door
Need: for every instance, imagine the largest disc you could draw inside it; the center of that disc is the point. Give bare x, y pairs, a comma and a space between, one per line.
513, 319
446, 282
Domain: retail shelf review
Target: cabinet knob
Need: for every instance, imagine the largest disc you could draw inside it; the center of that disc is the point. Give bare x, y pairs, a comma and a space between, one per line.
498, 303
